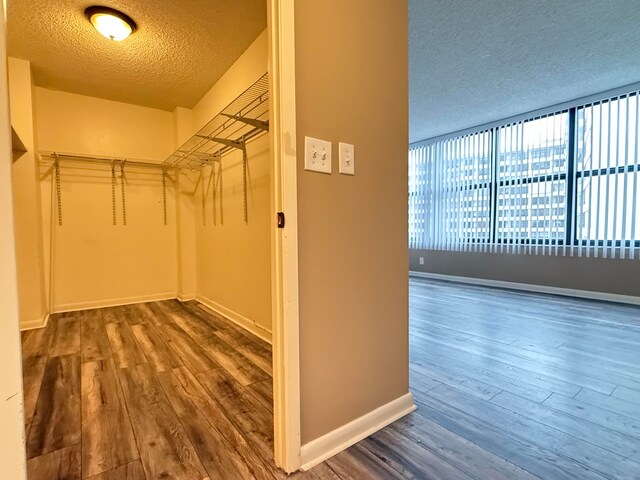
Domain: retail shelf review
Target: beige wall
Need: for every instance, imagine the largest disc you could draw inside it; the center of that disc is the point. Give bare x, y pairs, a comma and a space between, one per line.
72, 123
182, 125
251, 65
234, 258
12, 454
26, 196
185, 210
186, 233
94, 262
351, 86
608, 275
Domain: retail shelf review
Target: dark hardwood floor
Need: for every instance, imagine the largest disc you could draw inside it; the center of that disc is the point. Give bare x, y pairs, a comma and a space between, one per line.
163, 390
509, 385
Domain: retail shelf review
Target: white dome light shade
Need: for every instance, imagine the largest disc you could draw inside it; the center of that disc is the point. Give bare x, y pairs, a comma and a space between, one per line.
111, 23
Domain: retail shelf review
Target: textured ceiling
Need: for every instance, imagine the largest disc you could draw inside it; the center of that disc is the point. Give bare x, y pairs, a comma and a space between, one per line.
180, 49
477, 61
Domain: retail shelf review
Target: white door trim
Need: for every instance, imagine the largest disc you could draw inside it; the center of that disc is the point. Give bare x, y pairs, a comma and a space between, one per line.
12, 453
286, 357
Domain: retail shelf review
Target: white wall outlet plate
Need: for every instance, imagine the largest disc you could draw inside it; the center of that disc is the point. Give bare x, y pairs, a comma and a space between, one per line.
317, 155
347, 159
421, 260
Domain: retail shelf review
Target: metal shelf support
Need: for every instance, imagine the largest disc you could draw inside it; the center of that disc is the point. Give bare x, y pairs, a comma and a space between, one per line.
239, 144
58, 188
254, 122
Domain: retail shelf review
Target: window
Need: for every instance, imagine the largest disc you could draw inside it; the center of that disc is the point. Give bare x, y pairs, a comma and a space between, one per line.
607, 165
564, 182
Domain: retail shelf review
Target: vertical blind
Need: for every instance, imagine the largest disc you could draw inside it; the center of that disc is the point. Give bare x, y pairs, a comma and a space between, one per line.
449, 193
565, 183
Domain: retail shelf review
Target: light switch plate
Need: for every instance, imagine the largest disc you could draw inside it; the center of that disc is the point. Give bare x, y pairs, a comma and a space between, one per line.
347, 159
317, 155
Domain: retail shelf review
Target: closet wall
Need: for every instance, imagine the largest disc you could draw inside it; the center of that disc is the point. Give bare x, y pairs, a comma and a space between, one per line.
234, 257
94, 263
26, 198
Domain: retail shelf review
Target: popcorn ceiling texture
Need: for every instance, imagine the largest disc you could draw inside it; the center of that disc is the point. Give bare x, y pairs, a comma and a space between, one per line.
473, 62
181, 47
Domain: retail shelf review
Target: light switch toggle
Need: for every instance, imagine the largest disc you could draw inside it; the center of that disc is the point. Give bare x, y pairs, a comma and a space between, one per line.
347, 159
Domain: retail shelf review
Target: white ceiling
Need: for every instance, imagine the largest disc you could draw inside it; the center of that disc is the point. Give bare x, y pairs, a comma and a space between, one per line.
477, 61
180, 49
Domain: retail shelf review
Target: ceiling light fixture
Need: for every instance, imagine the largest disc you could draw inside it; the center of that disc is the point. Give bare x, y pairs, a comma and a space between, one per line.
111, 23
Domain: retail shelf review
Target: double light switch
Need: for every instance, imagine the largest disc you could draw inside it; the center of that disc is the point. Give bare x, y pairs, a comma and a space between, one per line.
317, 156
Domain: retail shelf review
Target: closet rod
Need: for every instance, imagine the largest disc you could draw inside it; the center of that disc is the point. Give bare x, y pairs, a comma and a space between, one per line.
101, 160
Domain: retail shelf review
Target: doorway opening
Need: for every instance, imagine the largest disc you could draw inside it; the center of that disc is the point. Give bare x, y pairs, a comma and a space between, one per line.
159, 282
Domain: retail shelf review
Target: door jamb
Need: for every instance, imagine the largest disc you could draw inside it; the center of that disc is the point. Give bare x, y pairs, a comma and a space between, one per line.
284, 249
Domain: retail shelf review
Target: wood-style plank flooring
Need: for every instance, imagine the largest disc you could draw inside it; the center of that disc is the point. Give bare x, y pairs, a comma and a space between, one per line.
509, 385
518, 385
162, 390
512, 386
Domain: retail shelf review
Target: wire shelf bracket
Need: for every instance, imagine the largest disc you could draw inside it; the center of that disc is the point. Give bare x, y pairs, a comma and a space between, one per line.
262, 125
225, 141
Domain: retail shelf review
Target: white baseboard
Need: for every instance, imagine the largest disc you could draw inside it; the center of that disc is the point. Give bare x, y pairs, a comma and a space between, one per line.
186, 297
317, 451
567, 292
236, 318
72, 307
33, 324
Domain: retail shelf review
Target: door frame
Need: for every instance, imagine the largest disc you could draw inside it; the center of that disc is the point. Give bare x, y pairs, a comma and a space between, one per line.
284, 247
12, 455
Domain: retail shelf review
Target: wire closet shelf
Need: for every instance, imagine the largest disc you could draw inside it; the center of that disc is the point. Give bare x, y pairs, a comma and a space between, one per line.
243, 120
